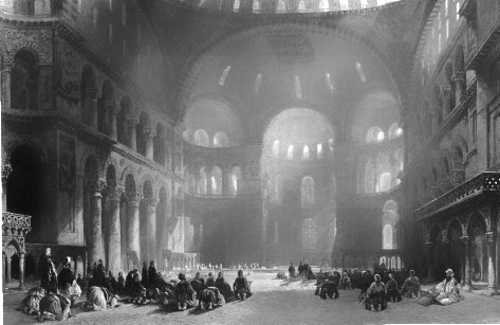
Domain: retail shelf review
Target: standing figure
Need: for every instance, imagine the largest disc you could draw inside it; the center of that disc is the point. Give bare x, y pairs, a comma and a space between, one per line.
411, 286
48, 274
184, 293
291, 270
376, 295
393, 293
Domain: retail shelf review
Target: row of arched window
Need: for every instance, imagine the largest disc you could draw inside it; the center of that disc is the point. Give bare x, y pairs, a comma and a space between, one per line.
212, 182
304, 6
307, 190
376, 135
304, 152
201, 138
381, 174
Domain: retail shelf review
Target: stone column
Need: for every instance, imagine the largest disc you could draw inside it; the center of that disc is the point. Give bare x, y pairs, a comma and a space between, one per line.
133, 243
150, 210
492, 284
114, 240
132, 133
5, 88
428, 253
8, 272
467, 281
6, 170
148, 135
96, 246
21, 270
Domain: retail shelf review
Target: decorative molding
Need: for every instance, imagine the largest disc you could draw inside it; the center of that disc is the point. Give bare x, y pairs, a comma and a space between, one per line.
15, 227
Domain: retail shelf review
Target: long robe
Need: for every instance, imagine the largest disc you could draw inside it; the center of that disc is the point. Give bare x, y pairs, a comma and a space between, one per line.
449, 292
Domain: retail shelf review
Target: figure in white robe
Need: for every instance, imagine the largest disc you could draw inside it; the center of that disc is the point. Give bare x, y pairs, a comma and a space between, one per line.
448, 290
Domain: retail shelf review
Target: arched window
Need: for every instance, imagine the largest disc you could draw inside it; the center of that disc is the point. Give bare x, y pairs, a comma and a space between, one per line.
375, 134
387, 234
201, 138
88, 93
202, 182
105, 108
122, 121
235, 180
216, 181
289, 153
141, 134
221, 139
256, 6
159, 144
305, 153
384, 182
324, 5
302, 6
319, 150
307, 192
395, 131
24, 81
281, 6
236, 6
276, 148
331, 144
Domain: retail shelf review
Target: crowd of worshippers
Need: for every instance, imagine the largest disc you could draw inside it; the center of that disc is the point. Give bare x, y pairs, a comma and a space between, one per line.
382, 286
59, 289
303, 271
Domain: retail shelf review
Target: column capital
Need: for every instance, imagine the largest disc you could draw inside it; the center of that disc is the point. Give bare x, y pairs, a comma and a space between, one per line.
150, 202
465, 239
134, 198
428, 244
114, 193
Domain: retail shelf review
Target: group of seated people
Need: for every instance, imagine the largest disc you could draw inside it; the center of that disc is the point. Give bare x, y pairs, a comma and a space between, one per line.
304, 271
60, 290
386, 286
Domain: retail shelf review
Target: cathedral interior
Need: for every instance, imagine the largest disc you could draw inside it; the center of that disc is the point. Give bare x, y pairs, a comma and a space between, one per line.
341, 132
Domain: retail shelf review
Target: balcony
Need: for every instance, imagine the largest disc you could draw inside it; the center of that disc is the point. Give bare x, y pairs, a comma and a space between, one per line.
487, 183
14, 229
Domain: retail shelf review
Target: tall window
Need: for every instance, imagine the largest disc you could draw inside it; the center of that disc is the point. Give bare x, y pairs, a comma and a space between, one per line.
289, 153
298, 87
235, 180
370, 172
319, 150
201, 138
276, 148
24, 81
307, 192
281, 6
276, 190
236, 5
216, 181
387, 235
324, 5
256, 6
384, 182
306, 155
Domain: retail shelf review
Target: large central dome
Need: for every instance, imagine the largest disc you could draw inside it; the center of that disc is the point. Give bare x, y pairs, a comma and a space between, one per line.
285, 6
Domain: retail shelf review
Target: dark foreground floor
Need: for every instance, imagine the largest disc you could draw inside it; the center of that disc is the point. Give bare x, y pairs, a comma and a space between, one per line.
275, 303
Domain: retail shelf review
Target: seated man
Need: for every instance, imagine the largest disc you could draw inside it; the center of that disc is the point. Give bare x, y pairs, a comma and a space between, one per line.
240, 287
224, 287
198, 284
330, 286
54, 307
184, 293
31, 303
210, 280
376, 295
210, 298
345, 282
411, 286
448, 290
393, 293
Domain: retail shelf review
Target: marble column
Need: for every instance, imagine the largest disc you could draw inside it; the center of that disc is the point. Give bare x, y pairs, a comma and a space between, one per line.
21, 270
148, 136
467, 281
114, 240
96, 246
5, 88
133, 243
150, 210
490, 242
132, 133
8, 271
